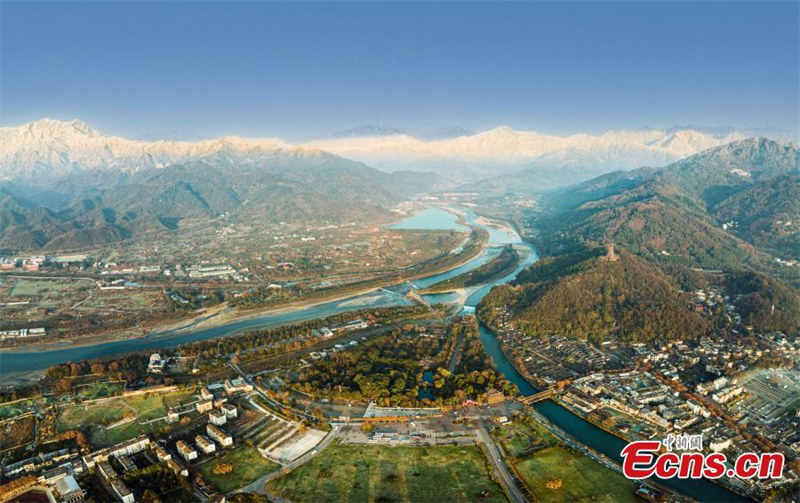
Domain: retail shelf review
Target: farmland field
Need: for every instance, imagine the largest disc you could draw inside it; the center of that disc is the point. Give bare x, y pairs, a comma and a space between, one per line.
43, 294
377, 473
72, 306
539, 457
26, 287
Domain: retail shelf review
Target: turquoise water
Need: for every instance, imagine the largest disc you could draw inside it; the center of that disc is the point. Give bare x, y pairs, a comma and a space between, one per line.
15, 362
430, 219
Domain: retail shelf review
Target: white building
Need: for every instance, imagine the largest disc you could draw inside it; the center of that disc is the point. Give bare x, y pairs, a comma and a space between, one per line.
156, 364
217, 418
185, 451
237, 385
220, 436
204, 444
121, 491
204, 406
230, 411
162, 454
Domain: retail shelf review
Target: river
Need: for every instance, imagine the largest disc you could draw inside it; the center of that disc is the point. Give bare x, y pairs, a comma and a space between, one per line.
16, 362
431, 218
574, 425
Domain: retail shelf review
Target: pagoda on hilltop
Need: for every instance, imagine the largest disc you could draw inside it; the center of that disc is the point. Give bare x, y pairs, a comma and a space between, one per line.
611, 256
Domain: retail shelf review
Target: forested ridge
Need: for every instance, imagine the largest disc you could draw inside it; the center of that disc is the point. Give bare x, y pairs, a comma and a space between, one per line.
715, 219
590, 298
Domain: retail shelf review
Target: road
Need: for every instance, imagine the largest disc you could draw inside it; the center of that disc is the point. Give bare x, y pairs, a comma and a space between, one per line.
500, 469
244, 375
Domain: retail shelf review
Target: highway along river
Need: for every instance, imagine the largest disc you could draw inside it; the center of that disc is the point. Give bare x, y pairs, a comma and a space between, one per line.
431, 218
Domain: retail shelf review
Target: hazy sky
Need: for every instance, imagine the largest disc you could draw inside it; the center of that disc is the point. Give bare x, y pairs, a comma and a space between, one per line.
302, 69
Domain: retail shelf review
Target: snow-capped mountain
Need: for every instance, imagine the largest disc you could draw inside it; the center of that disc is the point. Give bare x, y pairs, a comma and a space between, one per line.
52, 148
503, 149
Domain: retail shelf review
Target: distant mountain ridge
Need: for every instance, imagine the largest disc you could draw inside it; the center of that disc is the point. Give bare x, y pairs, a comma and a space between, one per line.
683, 212
56, 148
504, 152
68, 187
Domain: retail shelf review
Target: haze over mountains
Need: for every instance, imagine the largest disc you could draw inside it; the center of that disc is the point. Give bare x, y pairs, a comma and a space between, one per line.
56, 148
65, 185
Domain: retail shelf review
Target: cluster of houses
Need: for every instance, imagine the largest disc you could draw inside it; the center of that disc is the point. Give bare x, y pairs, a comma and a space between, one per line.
205, 443
33, 263
22, 333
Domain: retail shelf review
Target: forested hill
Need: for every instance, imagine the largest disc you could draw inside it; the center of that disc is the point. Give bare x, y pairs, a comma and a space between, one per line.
87, 210
731, 208
585, 296
720, 218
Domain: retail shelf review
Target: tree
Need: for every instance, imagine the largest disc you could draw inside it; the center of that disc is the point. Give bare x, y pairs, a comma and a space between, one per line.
150, 496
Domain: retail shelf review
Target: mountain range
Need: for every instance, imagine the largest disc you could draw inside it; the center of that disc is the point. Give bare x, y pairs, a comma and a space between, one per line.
68, 187
723, 217
711, 210
506, 157
65, 185
54, 148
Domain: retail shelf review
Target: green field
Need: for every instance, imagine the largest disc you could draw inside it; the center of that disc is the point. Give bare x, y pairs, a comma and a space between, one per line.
27, 288
582, 478
248, 464
100, 389
15, 409
539, 457
97, 416
378, 473
524, 435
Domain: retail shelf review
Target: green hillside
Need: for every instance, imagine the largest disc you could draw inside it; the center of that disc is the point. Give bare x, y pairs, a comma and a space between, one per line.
719, 218
270, 187
678, 214
587, 297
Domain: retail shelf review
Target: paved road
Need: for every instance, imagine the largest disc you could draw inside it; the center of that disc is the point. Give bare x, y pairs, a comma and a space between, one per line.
256, 388
500, 468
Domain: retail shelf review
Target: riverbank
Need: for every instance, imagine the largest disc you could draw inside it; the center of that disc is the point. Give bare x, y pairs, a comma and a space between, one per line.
597, 424
24, 366
596, 439
500, 266
223, 314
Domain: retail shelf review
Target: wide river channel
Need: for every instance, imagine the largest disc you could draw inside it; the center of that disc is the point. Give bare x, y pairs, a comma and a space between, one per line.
431, 218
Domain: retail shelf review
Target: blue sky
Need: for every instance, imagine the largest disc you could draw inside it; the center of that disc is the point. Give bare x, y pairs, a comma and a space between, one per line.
302, 69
